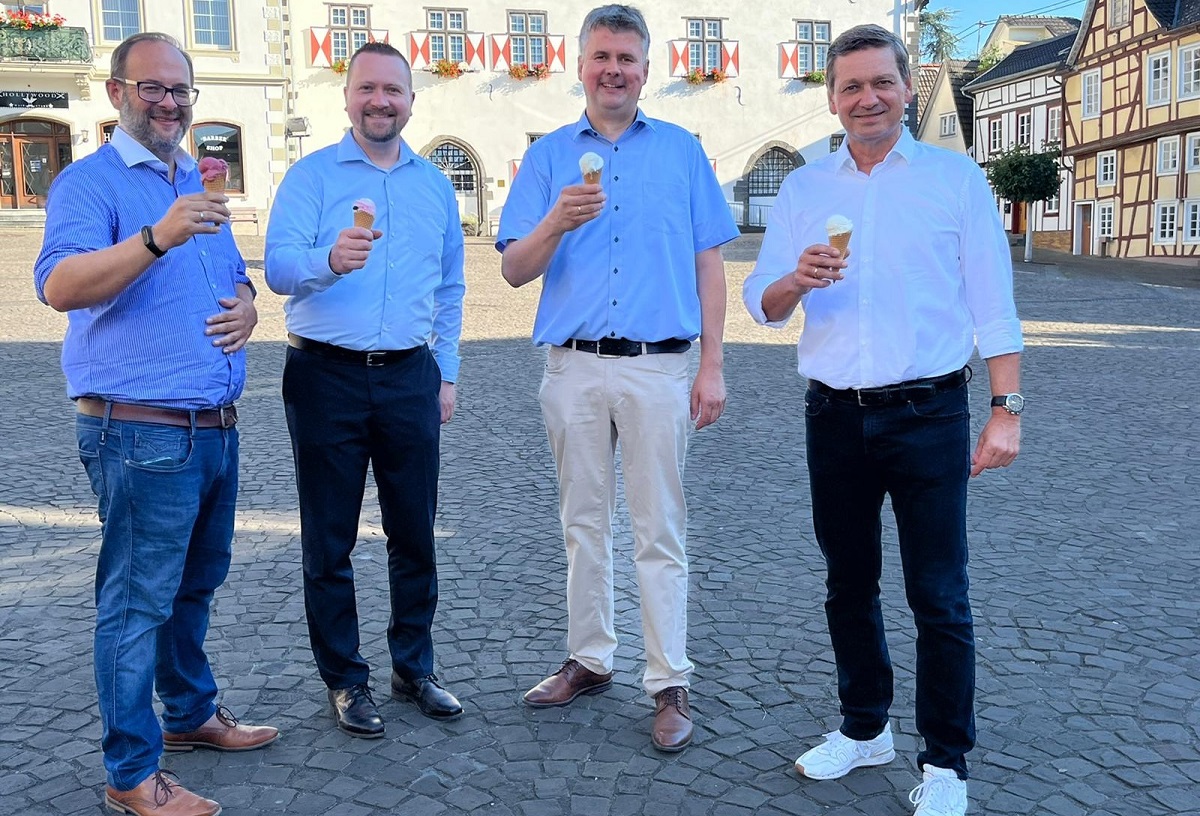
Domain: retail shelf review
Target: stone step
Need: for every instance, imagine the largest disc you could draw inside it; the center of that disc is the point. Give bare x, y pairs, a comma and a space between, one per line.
22, 218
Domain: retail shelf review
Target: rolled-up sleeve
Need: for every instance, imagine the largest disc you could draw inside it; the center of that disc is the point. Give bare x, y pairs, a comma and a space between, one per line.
986, 263
776, 258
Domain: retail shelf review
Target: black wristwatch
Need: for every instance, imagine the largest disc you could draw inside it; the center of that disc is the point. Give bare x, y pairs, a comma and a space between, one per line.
1013, 403
148, 240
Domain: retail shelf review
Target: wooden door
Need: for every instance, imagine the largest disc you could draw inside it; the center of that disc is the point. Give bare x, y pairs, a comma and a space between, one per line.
8, 175
36, 166
1085, 229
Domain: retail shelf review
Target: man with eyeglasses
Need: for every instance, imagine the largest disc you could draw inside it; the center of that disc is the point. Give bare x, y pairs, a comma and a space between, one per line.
159, 309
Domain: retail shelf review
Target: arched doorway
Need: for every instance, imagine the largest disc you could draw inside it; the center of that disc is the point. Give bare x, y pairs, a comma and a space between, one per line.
763, 181
460, 167
32, 152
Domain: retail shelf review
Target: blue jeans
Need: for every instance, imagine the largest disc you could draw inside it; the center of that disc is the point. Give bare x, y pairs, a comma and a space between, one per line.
918, 453
166, 504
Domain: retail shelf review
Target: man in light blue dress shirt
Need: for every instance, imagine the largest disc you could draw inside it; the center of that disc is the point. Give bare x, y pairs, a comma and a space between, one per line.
159, 310
887, 336
632, 273
374, 318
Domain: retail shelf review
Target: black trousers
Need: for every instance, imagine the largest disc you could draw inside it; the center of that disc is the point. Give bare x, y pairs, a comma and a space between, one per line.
343, 416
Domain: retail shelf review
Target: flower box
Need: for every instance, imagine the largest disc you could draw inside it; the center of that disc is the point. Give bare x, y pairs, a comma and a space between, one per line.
448, 69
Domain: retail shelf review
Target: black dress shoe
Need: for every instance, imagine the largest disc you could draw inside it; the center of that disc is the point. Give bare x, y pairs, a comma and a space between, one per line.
433, 700
356, 712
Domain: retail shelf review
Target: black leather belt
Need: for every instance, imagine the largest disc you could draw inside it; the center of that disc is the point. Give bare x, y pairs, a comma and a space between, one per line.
909, 391
224, 417
345, 355
620, 347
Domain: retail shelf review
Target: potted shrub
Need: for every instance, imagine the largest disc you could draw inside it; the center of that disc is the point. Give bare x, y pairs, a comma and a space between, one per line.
814, 77
695, 76
340, 66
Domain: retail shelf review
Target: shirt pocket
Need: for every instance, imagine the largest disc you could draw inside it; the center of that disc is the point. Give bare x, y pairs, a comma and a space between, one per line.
666, 207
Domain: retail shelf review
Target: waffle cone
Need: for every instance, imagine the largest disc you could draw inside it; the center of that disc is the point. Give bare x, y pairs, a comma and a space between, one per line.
840, 241
363, 219
214, 185
593, 177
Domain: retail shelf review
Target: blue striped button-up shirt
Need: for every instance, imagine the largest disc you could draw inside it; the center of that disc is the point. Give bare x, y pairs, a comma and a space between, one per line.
631, 272
146, 345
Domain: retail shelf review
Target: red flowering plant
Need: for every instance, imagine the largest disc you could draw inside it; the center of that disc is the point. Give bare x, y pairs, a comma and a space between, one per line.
518, 70
340, 66
539, 71
29, 21
447, 68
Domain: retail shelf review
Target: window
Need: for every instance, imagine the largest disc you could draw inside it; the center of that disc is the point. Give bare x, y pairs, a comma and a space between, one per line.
1104, 221
16, 5
1166, 214
1052, 204
1054, 125
1106, 169
1168, 155
456, 165
769, 172
222, 141
349, 29
996, 135
1192, 157
447, 34
1091, 95
814, 37
704, 44
1189, 72
1158, 79
1191, 221
1118, 13
213, 24
948, 125
533, 137
120, 19
527, 37
106, 131
1024, 128
835, 141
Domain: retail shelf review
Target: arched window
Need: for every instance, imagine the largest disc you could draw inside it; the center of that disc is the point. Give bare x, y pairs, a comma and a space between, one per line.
456, 165
770, 170
221, 140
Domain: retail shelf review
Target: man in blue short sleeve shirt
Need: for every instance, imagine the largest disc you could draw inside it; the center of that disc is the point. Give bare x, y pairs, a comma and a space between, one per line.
632, 274
159, 310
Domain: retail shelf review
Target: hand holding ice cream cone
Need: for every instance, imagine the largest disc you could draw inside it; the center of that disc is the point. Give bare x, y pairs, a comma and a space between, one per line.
591, 165
364, 213
214, 173
839, 229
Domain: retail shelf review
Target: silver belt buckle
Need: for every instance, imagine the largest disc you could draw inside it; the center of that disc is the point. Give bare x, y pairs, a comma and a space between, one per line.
858, 392
599, 345
376, 358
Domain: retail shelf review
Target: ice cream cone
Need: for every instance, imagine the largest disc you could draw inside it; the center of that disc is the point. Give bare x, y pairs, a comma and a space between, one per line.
840, 241
214, 185
592, 178
363, 219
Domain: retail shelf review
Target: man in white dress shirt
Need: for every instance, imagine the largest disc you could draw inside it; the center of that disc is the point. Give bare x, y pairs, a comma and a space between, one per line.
889, 328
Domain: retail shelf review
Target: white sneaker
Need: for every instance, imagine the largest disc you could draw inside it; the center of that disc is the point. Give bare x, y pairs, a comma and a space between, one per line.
941, 794
838, 755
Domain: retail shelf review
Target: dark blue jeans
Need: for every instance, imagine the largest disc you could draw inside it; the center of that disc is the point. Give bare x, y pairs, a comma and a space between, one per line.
166, 502
917, 453
342, 418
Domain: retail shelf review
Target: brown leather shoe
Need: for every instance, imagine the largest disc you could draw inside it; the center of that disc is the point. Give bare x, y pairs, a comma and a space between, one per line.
222, 732
672, 720
160, 794
566, 684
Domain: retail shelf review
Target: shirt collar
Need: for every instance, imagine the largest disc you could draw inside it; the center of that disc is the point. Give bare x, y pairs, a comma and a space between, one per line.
904, 147
133, 152
584, 125
350, 150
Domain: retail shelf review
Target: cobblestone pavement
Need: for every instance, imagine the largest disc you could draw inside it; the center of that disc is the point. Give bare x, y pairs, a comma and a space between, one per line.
1085, 571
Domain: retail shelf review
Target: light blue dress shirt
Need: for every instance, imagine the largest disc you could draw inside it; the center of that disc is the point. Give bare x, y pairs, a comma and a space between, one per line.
631, 272
147, 345
411, 290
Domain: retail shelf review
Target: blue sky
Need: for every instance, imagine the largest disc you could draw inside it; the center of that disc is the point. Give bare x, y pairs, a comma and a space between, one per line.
970, 12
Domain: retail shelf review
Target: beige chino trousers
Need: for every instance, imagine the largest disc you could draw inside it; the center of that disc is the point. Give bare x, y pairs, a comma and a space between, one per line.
589, 404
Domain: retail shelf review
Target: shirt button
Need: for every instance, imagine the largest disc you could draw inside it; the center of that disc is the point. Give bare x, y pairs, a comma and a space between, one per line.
614, 303
612, 334
616, 178
616, 240
615, 148
617, 207
614, 271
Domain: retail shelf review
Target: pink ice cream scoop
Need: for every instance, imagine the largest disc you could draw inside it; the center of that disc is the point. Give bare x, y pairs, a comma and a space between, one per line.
213, 173
364, 212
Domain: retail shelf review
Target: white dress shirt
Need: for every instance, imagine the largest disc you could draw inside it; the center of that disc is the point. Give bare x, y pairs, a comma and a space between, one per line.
929, 274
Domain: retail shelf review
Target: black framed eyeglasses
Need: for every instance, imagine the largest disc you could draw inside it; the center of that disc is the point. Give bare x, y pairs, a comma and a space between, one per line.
155, 92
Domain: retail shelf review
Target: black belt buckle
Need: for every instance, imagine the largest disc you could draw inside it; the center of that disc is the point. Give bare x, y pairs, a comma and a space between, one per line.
376, 358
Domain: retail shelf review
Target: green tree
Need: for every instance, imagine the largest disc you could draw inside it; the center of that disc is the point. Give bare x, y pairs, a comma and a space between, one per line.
989, 57
1023, 176
938, 42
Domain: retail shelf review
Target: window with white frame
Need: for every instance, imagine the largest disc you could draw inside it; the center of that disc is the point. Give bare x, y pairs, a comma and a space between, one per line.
1192, 156
1024, 128
1106, 168
1054, 125
212, 23
814, 37
948, 124
1104, 220
1166, 221
1052, 204
995, 135
1168, 155
1090, 102
120, 19
1191, 221
349, 29
22, 5
704, 44
447, 34
527, 37
1189, 72
1158, 79
1118, 13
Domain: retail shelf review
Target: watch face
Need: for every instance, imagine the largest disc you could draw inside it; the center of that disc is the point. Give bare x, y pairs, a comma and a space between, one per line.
1014, 403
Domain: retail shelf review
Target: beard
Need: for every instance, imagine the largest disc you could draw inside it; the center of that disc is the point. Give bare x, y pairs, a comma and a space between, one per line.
137, 122
374, 130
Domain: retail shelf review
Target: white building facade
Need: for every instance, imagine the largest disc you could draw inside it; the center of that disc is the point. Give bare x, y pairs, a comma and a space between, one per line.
270, 87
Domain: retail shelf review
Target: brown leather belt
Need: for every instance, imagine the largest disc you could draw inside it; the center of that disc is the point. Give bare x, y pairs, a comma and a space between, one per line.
224, 417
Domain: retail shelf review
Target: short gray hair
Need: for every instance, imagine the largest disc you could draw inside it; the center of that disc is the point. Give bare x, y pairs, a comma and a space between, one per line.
615, 18
120, 55
862, 37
